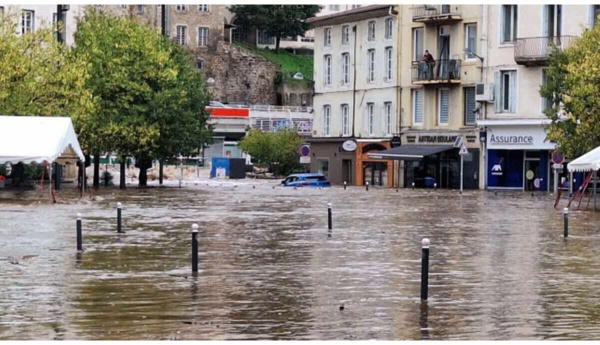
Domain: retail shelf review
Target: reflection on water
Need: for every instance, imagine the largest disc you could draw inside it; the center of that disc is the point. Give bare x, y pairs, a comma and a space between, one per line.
270, 269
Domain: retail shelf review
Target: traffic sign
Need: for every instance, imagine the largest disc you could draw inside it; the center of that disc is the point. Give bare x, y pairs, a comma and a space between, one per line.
463, 151
305, 150
458, 142
557, 158
558, 166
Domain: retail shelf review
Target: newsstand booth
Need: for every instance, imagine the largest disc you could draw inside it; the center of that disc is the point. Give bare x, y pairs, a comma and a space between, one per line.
45, 140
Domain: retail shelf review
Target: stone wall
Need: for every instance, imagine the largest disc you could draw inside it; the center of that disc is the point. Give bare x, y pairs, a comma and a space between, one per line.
239, 75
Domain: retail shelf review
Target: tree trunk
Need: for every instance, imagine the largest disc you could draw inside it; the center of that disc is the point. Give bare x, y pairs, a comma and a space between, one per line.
144, 164
122, 174
96, 170
277, 41
160, 173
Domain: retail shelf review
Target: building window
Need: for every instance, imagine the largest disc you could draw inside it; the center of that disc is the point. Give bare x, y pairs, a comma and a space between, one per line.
470, 106
202, 8
471, 39
443, 106
264, 38
506, 92
55, 21
140, 9
200, 64
182, 8
181, 35
334, 7
371, 65
345, 119
345, 69
121, 6
552, 20
371, 118
327, 37
417, 44
327, 71
27, 21
387, 115
355, 6
389, 59
509, 23
546, 102
417, 107
345, 34
595, 9
389, 28
202, 37
327, 120
371, 31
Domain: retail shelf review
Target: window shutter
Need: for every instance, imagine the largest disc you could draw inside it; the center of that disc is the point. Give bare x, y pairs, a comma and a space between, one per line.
497, 93
444, 105
470, 106
418, 106
513, 92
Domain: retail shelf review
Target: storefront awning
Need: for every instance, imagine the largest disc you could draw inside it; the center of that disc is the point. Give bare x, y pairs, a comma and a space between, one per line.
409, 152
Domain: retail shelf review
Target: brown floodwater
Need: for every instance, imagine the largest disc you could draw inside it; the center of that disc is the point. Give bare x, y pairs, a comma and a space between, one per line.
269, 268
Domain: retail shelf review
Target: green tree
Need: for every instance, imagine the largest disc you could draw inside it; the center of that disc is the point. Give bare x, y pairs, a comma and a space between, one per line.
276, 20
150, 98
39, 76
279, 151
573, 86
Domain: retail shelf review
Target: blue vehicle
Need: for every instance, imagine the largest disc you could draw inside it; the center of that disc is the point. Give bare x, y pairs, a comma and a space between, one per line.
306, 180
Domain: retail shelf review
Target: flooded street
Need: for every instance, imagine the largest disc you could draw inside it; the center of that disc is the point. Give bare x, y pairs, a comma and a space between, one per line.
269, 269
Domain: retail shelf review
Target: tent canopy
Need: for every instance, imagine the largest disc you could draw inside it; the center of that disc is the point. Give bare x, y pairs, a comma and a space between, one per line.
409, 152
37, 139
588, 162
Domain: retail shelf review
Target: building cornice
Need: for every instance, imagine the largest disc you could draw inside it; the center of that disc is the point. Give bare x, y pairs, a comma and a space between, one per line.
355, 15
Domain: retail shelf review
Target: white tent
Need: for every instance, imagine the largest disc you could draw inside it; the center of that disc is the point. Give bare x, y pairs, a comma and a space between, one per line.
37, 139
588, 162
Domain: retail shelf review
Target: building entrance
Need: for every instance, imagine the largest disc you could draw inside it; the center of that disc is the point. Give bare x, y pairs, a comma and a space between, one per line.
375, 173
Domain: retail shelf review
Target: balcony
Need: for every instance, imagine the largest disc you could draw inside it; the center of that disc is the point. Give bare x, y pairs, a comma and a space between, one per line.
535, 51
442, 72
436, 14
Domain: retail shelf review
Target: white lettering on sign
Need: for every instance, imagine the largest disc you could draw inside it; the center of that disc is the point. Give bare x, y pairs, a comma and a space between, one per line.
511, 139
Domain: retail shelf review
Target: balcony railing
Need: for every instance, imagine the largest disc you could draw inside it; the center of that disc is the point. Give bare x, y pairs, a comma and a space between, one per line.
442, 71
436, 13
535, 51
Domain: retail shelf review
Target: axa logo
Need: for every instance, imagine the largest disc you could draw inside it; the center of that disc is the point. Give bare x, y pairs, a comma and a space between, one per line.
497, 168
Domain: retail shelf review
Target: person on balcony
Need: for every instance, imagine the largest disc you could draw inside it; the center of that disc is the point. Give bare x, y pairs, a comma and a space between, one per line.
430, 61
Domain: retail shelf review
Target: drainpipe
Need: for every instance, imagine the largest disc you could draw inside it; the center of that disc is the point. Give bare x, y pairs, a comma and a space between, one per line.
354, 84
484, 65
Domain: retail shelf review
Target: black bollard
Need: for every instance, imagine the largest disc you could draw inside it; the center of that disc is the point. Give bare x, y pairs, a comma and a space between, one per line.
434, 186
345, 185
425, 269
367, 186
119, 205
566, 217
413, 186
329, 222
195, 248
79, 238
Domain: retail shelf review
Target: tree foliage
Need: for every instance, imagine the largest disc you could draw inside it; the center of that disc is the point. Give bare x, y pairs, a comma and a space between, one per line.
150, 99
277, 150
39, 76
276, 20
573, 85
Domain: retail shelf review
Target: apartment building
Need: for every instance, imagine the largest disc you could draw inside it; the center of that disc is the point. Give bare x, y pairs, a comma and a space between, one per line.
356, 94
519, 40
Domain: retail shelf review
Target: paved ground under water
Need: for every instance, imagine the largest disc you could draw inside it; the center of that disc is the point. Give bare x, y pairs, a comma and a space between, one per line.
269, 269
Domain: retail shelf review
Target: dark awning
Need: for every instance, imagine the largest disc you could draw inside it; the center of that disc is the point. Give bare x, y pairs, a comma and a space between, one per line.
409, 152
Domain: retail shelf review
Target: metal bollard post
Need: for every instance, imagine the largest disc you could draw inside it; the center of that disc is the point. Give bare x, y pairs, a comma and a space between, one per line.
195, 248
425, 269
367, 186
413, 186
434, 186
345, 185
329, 222
119, 205
566, 217
79, 238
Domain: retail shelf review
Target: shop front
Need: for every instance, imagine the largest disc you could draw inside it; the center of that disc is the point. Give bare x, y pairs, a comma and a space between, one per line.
518, 155
334, 158
378, 172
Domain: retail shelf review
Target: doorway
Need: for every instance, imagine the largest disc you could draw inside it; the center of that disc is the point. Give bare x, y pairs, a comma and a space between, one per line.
532, 174
444, 50
375, 173
347, 171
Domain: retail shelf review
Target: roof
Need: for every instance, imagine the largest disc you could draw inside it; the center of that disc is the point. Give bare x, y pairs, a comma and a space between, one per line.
308, 175
37, 139
354, 15
409, 152
588, 162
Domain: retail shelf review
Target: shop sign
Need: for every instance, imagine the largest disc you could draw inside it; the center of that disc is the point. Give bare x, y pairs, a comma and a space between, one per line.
497, 168
518, 138
395, 142
349, 145
437, 138
511, 139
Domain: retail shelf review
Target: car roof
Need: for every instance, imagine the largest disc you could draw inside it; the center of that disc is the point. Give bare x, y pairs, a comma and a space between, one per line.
308, 175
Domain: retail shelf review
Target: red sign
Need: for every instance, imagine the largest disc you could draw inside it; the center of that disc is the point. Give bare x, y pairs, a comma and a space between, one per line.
229, 112
557, 158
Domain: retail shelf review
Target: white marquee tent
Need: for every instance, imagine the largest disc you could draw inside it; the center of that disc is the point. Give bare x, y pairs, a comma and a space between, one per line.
37, 139
588, 162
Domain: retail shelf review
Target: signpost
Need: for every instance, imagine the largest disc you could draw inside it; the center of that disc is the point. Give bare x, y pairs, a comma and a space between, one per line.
463, 152
305, 154
558, 161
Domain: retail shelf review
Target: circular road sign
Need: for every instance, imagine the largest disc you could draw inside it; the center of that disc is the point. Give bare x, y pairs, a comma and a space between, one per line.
305, 150
557, 158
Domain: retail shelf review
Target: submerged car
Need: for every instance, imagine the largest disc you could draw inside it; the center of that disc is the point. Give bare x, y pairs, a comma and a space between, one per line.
306, 180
